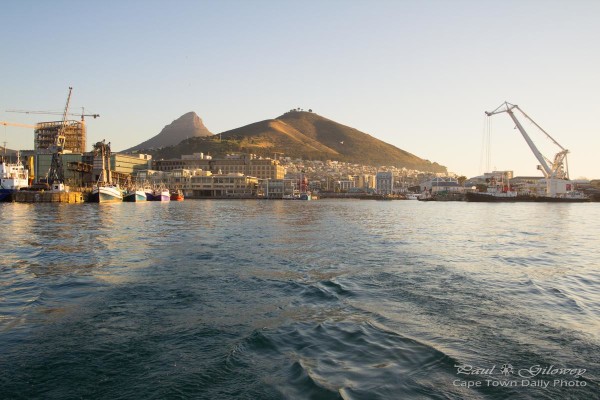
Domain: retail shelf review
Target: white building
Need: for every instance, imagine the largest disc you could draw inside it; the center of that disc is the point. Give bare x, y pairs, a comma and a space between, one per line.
441, 184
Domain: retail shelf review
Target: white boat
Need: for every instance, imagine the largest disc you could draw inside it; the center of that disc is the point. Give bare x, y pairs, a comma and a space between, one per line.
13, 177
106, 194
105, 190
412, 196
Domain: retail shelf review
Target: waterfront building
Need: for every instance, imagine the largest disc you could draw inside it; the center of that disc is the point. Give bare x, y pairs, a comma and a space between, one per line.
124, 167
343, 185
365, 181
82, 170
198, 183
246, 164
42, 163
280, 188
221, 185
442, 184
384, 182
129, 163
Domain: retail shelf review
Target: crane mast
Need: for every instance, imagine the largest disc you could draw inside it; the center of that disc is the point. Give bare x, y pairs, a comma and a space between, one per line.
554, 171
56, 174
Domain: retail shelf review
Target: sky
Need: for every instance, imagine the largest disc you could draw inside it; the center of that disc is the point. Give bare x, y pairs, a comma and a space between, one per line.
416, 74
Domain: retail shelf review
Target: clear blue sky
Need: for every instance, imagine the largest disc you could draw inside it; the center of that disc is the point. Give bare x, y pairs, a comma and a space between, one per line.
416, 74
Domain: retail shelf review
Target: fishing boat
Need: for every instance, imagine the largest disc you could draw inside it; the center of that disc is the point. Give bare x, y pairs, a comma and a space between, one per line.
426, 196
134, 195
305, 196
176, 195
13, 177
158, 194
105, 191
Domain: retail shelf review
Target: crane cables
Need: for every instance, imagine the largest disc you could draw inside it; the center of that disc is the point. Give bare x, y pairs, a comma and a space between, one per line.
486, 145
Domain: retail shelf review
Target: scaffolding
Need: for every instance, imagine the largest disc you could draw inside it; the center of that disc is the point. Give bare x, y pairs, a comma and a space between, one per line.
74, 132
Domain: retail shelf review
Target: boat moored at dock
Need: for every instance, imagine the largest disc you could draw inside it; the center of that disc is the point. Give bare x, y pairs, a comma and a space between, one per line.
177, 195
13, 177
134, 195
105, 191
106, 194
158, 194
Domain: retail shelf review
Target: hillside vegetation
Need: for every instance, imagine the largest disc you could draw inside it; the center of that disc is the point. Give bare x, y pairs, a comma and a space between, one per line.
304, 135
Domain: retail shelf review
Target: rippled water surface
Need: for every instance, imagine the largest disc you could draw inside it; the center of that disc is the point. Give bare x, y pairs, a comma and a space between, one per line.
310, 300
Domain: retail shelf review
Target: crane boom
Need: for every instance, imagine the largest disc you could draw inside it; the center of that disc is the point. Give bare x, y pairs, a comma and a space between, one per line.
82, 115
64, 119
17, 124
508, 109
553, 170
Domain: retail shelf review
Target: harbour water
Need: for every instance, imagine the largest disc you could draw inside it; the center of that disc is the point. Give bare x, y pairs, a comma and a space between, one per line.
326, 299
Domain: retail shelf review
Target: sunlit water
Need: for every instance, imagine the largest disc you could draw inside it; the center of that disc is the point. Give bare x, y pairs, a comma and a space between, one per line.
309, 300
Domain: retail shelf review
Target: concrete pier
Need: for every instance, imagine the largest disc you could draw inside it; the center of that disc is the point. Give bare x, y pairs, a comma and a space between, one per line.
28, 196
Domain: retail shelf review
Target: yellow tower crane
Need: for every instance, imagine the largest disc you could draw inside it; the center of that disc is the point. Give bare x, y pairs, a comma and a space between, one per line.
17, 124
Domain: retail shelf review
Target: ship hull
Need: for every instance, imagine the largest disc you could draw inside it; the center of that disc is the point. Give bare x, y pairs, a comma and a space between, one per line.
563, 199
106, 194
135, 197
159, 196
176, 197
7, 195
487, 198
491, 198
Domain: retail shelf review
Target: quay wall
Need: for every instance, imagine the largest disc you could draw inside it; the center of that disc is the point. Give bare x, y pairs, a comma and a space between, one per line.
26, 196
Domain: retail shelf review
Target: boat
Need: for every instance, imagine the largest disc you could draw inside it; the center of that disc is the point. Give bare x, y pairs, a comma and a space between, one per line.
412, 196
149, 192
491, 196
569, 197
486, 197
134, 195
176, 195
426, 196
13, 177
106, 193
158, 194
305, 196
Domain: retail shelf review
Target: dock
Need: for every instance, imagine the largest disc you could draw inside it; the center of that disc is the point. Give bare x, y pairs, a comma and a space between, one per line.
30, 196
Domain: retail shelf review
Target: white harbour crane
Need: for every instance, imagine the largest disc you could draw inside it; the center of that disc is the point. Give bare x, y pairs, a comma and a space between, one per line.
555, 171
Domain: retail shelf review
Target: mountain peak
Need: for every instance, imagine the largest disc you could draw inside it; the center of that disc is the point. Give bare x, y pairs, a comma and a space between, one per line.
186, 126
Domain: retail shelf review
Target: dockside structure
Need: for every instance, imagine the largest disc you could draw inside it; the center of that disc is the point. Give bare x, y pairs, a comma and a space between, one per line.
200, 184
81, 170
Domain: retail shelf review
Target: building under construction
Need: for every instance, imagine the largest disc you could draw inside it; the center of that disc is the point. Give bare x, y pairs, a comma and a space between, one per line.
46, 133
